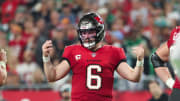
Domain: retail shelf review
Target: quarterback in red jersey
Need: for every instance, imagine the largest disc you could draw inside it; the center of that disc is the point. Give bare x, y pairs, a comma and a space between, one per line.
92, 63
159, 60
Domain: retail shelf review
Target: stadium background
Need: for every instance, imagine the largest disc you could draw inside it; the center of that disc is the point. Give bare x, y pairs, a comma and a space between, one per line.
26, 24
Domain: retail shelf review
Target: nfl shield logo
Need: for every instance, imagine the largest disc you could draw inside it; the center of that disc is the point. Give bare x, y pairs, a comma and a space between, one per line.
93, 54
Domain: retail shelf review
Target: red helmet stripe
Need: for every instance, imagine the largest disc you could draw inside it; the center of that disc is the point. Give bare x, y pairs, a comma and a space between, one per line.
98, 19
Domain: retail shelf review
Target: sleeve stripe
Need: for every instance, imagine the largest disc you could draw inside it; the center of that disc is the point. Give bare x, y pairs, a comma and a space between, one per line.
63, 58
123, 60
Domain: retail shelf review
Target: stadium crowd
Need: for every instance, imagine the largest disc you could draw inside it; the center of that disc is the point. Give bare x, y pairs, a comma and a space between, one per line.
26, 24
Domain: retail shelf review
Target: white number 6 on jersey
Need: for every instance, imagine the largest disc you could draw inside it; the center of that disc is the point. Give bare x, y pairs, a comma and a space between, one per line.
96, 77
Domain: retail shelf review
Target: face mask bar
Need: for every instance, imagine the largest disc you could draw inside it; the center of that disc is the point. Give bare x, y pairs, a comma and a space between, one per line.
87, 30
91, 43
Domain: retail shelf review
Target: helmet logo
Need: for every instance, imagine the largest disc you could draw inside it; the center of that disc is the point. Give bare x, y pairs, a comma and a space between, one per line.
98, 19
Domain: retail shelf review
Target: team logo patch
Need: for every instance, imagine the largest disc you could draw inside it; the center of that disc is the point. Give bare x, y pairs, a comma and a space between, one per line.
78, 57
93, 54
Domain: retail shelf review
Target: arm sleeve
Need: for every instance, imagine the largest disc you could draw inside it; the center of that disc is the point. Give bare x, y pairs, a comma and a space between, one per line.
67, 55
156, 61
120, 56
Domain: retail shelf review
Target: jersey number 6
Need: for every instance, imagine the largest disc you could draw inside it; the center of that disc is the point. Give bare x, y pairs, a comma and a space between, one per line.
91, 77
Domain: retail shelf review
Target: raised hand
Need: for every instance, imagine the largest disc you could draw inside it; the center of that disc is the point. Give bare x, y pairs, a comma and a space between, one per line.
47, 48
139, 51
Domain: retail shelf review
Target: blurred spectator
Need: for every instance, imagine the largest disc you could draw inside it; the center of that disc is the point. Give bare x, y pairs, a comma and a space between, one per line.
28, 29
50, 4
77, 6
157, 92
139, 11
8, 9
172, 16
117, 38
30, 3
118, 25
148, 31
3, 39
42, 27
28, 69
42, 11
54, 20
41, 34
117, 35
94, 6
67, 14
12, 78
85, 9
20, 15
16, 41
71, 35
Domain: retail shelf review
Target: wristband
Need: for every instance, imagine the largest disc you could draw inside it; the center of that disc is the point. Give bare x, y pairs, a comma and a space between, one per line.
2, 63
46, 59
140, 63
170, 82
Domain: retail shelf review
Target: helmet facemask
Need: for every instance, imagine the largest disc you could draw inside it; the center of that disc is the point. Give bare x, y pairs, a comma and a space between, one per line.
87, 34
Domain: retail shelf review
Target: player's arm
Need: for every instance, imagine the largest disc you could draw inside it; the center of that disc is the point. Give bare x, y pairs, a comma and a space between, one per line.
159, 60
52, 72
3, 61
128, 72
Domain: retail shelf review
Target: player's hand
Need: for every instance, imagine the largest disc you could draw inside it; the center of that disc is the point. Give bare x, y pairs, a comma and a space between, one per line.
47, 48
3, 56
139, 51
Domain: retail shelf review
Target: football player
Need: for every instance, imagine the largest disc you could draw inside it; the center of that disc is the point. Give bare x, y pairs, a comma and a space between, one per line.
3, 61
159, 60
92, 63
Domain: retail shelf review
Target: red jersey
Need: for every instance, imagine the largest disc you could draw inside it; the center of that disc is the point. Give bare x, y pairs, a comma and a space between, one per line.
93, 72
174, 35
